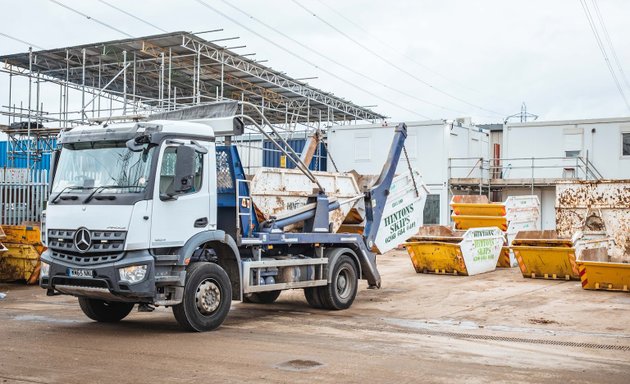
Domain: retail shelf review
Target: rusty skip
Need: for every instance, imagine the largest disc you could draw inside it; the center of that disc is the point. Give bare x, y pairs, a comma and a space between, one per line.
596, 206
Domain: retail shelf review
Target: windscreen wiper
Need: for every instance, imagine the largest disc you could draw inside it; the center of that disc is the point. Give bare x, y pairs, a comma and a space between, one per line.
102, 187
54, 199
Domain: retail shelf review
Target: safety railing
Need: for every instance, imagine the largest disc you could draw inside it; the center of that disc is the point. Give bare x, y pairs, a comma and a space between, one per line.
522, 168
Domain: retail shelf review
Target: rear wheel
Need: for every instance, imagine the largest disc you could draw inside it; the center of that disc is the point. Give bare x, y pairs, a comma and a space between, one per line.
207, 298
261, 297
104, 311
343, 286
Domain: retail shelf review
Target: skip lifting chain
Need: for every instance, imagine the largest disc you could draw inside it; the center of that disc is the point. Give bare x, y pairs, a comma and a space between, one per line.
413, 178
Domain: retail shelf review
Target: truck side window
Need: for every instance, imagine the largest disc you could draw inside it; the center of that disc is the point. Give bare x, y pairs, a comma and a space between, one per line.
167, 173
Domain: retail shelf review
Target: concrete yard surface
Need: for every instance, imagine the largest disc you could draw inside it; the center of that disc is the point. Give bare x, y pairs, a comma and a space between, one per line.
490, 328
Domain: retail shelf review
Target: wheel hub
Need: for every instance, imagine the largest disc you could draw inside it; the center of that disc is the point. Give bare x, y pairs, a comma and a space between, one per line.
343, 287
208, 297
341, 283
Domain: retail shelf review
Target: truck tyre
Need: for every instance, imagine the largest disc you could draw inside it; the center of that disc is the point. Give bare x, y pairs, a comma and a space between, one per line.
312, 297
104, 311
342, 289
261, 297
207, 298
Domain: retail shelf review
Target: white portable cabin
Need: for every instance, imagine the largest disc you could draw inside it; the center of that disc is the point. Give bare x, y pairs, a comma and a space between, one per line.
429, 145
561, 150
605, 142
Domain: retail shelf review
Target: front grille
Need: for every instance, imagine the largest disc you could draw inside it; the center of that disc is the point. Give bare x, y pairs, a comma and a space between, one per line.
84, 259
62, 241
90, 283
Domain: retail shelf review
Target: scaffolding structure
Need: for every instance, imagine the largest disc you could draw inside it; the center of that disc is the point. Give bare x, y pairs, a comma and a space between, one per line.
141, 76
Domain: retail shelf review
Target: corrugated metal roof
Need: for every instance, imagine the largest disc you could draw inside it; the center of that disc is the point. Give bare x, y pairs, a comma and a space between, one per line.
242, 77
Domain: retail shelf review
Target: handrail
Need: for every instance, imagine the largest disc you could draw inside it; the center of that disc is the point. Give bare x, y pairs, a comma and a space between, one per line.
517, 158
489, 168
590, 168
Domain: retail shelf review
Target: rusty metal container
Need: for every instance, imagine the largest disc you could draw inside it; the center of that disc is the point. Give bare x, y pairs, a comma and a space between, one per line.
598, 271
545, 255
277, 191
476, 205
596, 206
605, 276
505, 259
20, 259
438, 249
465, 222
514, 208
522, 208
516, 213
598, 212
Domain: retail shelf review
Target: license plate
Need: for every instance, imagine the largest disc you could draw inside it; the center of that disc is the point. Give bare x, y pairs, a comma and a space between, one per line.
77, 272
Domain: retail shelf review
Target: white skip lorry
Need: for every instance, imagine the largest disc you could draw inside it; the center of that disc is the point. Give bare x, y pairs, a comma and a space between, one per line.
155, 213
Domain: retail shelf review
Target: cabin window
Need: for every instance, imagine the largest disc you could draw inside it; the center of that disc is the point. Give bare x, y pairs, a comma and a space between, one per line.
625, 144
571, 153
167, 172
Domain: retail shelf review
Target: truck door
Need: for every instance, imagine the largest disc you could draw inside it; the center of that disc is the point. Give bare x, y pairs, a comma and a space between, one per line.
176, 220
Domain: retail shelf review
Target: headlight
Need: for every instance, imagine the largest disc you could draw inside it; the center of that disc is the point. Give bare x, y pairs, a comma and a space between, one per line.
133, 274
44, 269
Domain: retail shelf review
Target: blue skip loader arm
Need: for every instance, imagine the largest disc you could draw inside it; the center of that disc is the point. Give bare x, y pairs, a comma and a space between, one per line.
376, 196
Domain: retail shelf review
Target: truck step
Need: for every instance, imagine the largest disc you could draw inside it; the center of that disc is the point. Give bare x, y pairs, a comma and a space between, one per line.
170, 280
166, 259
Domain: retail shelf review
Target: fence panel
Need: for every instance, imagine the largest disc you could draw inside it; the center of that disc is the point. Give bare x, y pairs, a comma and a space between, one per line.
23, 195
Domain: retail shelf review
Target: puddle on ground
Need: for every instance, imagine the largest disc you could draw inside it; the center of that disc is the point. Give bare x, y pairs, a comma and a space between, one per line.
299, 365
30, 306
465, 325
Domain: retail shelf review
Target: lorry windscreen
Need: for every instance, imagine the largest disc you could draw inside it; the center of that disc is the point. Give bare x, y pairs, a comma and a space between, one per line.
90, 165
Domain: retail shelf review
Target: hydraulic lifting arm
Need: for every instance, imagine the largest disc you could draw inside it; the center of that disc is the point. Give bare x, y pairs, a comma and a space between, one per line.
376, 196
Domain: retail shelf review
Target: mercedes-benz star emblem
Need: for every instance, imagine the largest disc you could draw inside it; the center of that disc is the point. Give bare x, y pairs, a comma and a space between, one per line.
82, 240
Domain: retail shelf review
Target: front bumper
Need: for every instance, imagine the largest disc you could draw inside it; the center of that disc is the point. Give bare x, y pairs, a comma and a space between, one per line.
105, 283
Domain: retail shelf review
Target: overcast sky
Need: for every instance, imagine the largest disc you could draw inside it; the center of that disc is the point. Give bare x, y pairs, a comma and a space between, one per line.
478, 58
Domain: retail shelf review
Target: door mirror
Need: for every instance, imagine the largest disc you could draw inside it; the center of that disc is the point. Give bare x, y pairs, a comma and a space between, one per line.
184, 169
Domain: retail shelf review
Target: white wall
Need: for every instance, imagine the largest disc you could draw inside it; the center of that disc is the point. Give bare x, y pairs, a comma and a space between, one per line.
429, 144
364, 148
600, 139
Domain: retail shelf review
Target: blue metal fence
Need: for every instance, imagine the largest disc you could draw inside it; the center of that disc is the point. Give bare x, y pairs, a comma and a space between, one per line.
39, 162
273, 157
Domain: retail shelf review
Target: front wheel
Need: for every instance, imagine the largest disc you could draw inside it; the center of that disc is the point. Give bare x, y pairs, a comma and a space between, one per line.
207, 298
104, 311
343, 286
